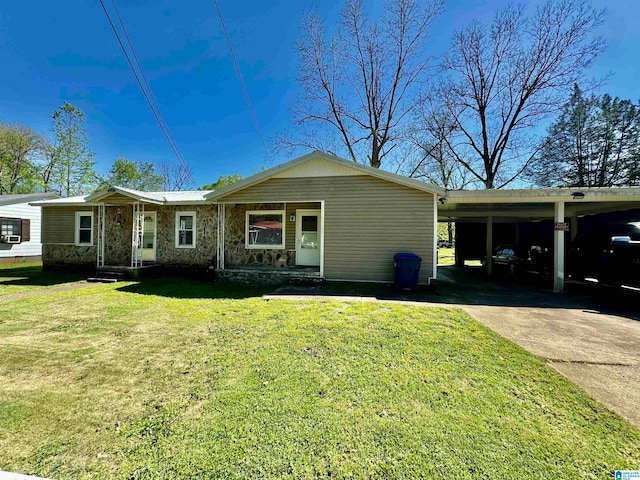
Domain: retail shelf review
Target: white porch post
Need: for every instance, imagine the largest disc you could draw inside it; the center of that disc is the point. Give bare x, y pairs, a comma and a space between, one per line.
322, 238
435, 237
135, 234
221, 226
558, 250
489, 246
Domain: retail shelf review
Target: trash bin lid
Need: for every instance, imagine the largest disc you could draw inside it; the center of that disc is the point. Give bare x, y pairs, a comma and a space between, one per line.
406, 256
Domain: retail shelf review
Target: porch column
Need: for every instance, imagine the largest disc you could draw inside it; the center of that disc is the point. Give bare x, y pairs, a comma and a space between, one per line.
558, 250
489, 246
220, 240
435, 237
322, 238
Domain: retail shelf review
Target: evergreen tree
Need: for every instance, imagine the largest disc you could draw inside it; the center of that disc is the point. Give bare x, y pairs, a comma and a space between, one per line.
594, 142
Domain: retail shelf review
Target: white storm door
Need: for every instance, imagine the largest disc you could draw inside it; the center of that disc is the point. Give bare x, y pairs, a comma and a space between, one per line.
308, 237
149, 231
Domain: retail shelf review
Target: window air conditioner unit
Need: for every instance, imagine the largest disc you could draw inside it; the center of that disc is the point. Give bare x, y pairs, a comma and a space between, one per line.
10, 238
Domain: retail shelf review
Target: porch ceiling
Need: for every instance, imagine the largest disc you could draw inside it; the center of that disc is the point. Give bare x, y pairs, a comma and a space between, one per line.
532, 211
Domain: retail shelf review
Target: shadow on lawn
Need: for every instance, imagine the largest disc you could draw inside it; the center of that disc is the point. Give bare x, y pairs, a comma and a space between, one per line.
177, 287
470, 286
35, 276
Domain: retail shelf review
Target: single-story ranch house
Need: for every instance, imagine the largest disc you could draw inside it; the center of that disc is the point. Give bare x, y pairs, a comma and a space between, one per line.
313, 218
327, 217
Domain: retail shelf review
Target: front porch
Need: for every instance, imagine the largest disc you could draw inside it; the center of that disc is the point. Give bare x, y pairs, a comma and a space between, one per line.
270, 242
126, 235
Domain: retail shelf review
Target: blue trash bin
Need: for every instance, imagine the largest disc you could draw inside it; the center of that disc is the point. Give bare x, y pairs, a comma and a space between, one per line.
407, 268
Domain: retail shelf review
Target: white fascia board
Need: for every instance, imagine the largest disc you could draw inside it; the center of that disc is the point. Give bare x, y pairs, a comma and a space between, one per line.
67, 204
544, 195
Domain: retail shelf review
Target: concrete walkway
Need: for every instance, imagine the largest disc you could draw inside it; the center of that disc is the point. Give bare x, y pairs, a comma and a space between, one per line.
44, 290
590, 335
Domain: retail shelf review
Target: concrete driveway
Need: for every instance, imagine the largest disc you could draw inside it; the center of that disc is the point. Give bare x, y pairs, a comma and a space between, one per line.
590, 334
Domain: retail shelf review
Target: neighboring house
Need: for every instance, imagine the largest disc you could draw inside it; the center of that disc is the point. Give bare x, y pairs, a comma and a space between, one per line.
20, 227
318, 216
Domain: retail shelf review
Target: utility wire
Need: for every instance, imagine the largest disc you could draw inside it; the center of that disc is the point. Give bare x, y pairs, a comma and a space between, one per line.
141, 79
239, 73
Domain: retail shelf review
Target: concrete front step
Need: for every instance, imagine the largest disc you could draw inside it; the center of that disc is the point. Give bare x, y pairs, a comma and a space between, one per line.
103, 280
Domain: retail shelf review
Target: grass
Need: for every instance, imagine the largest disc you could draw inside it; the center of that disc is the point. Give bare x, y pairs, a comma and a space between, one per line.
447, 256
170, 379
25, 277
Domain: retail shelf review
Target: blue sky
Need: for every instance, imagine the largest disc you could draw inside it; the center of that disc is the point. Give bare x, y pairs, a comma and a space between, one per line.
50, 54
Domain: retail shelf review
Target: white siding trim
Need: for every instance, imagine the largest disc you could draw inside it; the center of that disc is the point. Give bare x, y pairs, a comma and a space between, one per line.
322, 238
435, 239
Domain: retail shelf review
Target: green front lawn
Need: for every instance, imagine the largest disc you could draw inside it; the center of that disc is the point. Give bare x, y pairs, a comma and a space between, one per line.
176, 378
26, 277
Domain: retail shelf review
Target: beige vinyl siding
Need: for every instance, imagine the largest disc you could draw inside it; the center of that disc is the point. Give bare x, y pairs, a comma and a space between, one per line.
290, 229
59, 223
116, 198
367, 220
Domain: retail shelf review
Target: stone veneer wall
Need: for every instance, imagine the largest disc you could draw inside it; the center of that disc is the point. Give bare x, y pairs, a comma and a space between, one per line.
56, 254
206, 235
234, 236
117, 245
118, 239
268, 277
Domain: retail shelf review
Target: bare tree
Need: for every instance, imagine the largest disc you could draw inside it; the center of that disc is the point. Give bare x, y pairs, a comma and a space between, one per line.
174, 176
432, 160
504, 78
361, 84
47, 163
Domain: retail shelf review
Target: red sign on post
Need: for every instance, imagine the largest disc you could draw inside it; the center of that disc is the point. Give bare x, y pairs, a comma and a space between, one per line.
562, 227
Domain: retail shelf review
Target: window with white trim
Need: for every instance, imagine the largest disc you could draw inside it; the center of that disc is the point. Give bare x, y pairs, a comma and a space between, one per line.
84, 228
265, 229
185, 229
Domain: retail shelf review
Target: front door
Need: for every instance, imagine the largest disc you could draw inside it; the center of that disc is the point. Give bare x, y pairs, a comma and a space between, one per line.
308, 237
148, 244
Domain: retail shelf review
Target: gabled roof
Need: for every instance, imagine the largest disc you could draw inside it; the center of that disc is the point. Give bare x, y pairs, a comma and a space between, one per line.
340, 162
151, 197
25, 198
187, 197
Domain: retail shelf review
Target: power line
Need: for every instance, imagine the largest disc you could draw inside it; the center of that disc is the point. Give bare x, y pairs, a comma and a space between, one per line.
244, 87
141, 79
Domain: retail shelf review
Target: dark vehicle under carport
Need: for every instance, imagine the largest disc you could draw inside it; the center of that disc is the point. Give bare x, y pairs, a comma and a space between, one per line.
606, 252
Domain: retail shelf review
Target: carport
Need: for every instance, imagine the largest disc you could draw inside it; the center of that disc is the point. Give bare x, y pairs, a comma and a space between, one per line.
563, 206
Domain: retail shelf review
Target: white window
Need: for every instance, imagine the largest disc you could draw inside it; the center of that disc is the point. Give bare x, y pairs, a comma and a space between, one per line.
84, 228
265, 229
185, 229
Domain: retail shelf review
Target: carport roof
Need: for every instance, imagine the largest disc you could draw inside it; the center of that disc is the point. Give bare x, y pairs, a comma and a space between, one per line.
534, 204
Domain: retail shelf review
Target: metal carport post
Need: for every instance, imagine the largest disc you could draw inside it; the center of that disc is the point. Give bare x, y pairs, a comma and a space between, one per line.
558, 249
